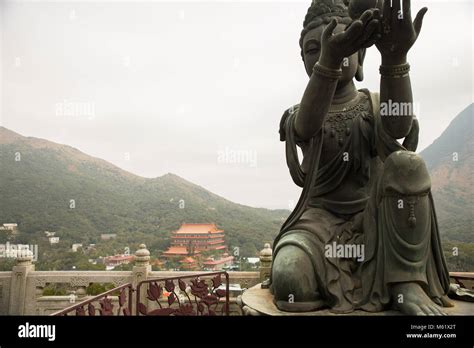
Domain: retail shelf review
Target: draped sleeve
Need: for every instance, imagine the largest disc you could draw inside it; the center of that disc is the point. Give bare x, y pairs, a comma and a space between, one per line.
288, 135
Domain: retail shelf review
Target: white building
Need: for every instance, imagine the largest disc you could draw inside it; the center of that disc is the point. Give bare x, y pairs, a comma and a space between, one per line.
53, 240
107, 236
253, 260
9, 227
76, 246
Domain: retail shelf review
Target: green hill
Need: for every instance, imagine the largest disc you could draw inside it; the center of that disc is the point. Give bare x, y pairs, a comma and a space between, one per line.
450, 160
48, 186
40, 189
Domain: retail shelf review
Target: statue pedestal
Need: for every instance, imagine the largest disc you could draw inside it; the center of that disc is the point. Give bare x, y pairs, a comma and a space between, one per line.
258, 301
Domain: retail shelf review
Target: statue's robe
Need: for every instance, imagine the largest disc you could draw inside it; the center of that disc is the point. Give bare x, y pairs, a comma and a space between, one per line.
364, 216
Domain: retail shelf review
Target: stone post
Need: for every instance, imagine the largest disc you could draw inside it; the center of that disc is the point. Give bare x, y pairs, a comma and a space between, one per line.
265, 263
141, 269
18, 290
81, 291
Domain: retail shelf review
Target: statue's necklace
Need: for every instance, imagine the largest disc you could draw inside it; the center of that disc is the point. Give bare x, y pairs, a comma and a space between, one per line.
339, 119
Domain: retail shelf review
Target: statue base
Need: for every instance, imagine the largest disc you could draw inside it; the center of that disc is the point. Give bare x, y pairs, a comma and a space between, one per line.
257, 301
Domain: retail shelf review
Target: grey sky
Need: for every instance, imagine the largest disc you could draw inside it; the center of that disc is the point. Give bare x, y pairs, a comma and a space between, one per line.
181, 87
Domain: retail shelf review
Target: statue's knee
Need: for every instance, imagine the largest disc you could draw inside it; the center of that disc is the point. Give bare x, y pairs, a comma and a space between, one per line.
405, 172
293, 275
406, 182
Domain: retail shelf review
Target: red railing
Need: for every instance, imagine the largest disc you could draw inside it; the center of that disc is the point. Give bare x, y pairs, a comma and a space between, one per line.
202, 295
124, 295
193, 295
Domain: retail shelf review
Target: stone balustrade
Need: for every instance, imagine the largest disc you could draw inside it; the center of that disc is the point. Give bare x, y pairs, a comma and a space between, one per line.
21, 290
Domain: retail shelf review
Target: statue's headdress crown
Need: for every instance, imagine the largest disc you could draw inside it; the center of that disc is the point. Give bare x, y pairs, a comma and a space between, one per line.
327, 8
321, 12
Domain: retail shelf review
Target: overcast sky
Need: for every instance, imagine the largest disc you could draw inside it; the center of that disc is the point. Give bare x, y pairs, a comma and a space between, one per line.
193, 87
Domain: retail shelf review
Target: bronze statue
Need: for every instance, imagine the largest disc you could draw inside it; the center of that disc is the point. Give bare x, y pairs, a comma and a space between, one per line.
364, 233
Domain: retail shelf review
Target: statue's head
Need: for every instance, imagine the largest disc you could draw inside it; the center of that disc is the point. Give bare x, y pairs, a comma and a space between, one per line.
319, 15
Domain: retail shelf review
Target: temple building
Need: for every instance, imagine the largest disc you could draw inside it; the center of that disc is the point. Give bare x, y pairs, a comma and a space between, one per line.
192, 239
117, 260
189, 264
212, 264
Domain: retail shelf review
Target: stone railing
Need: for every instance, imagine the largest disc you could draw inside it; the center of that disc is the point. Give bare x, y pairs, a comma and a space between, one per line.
21, 290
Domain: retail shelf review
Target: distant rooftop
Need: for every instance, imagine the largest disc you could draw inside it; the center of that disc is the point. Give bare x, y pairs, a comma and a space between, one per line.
119, 258
212, 262
188, 260
202, 228
177, 251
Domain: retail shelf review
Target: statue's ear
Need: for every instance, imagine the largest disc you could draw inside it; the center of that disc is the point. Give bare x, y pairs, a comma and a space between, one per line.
360, 68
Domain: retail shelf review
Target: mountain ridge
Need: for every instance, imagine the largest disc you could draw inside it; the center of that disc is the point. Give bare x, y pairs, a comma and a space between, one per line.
450, 160
40, 187
37, 192
6, 136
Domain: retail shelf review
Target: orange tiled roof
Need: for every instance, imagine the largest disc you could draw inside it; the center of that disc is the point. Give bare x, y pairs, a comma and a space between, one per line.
219, 261
188, 260
177, 250
198, 228
213, 242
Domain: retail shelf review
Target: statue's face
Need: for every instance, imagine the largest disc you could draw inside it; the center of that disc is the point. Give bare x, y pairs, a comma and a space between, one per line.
312, 50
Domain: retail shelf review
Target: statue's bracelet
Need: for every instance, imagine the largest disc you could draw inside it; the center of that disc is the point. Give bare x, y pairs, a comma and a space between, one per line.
395, 71
333, 74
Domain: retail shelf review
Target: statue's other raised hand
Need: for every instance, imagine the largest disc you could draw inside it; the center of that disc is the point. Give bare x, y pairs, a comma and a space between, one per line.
361, 33
399, 33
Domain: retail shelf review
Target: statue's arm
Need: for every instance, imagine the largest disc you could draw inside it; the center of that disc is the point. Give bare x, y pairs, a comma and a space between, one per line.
396, 91
321, 87
315, 103
399, 35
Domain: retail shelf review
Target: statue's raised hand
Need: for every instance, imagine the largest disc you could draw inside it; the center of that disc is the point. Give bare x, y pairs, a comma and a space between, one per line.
399, 32
361, 33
